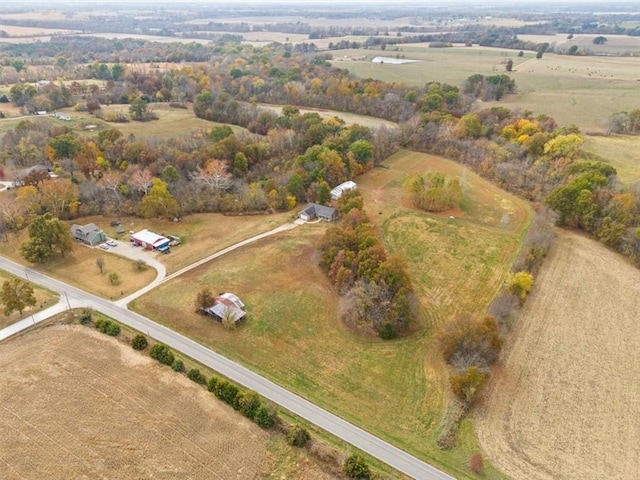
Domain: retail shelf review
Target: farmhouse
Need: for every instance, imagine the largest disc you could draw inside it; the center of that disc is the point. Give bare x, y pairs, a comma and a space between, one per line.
347, 186
150, 240
89, 234
314, 210
227, 304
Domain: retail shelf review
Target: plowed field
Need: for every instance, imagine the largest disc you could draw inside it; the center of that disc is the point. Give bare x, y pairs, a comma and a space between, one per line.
566, 404
77, 404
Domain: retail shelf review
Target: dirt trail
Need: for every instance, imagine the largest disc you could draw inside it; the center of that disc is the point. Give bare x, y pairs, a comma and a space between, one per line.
566, 403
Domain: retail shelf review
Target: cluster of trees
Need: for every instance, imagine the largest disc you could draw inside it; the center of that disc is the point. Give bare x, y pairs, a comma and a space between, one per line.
490, 87
470, 345
433, 192
48, 237
627, 123
377, 292
538, 160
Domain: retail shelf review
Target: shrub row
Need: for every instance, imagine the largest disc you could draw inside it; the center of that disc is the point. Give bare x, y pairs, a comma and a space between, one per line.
246, 402
108, 326
162, 353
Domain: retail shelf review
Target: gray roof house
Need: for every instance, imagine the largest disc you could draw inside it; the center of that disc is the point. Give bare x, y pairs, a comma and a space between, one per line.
314, 210
227, 303
89, 234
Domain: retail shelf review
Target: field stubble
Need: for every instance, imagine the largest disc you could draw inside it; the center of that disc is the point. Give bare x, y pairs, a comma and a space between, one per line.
565, 405
98, 409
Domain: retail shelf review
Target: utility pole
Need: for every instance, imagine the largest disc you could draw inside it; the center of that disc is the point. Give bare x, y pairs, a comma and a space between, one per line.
67, 297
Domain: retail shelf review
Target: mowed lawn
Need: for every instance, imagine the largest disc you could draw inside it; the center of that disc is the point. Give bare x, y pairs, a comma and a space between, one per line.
201, 234
79, 268
620, 151
44, 298
293, 334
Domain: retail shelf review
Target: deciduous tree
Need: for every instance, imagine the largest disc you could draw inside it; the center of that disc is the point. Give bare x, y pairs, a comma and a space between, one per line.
16, 295
47, 236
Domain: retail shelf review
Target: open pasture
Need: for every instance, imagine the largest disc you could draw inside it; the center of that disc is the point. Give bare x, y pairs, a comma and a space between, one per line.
78, 404
293, 309
581, 90
572, 89
621, 151
615, 44
171, 122
457, 264
564, 405
44, 299
447, 65
349, 118
19, 31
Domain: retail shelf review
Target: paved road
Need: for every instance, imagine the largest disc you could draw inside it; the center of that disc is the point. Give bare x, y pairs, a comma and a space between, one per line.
357, 437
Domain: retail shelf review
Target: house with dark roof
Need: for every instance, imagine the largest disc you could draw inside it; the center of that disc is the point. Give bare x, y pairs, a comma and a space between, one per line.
89, 234
322, 212
227, 304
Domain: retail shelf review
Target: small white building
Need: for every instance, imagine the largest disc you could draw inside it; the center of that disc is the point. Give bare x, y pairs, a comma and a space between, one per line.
62, 116
347, 186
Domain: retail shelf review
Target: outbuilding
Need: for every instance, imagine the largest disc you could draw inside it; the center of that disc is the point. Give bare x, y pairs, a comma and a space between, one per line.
227, 304
150, 240
347, 186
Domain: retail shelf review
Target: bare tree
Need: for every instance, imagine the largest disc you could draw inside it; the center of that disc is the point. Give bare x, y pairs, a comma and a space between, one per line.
142, 180
100, 264
214, 175
111, 181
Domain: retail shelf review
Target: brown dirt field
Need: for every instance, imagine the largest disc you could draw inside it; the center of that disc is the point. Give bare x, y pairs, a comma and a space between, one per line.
98, 409
565, 403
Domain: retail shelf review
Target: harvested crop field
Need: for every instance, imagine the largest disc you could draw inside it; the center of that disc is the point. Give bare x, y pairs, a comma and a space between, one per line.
78, 404
565, 403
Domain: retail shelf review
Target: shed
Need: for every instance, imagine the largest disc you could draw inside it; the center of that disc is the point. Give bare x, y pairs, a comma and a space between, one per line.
314, 210
150, 240
227, 304
347, 186
62, 116
89, 234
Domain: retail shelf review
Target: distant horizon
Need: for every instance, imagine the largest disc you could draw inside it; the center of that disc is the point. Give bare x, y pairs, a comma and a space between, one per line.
483, 3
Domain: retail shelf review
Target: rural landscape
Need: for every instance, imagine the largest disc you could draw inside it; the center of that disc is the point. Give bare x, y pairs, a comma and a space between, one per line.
319, 241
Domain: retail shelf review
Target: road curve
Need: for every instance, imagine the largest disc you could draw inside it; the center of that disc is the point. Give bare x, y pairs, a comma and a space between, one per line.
333, 424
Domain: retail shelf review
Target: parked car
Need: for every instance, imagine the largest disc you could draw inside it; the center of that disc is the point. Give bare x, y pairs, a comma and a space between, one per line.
112, 243
104, 246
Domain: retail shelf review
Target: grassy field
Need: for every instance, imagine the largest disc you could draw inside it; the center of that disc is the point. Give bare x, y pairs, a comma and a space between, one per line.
394, 389
79, 269
572, 89
201, 234
95, 396
349, 118
172, 122
450, 65
44, 299
621, 151
564, 404
615, 45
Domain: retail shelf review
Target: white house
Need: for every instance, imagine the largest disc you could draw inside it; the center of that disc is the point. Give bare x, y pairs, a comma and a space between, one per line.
347, 186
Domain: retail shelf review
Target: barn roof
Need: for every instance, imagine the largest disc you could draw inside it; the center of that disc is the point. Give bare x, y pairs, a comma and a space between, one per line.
150, 238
